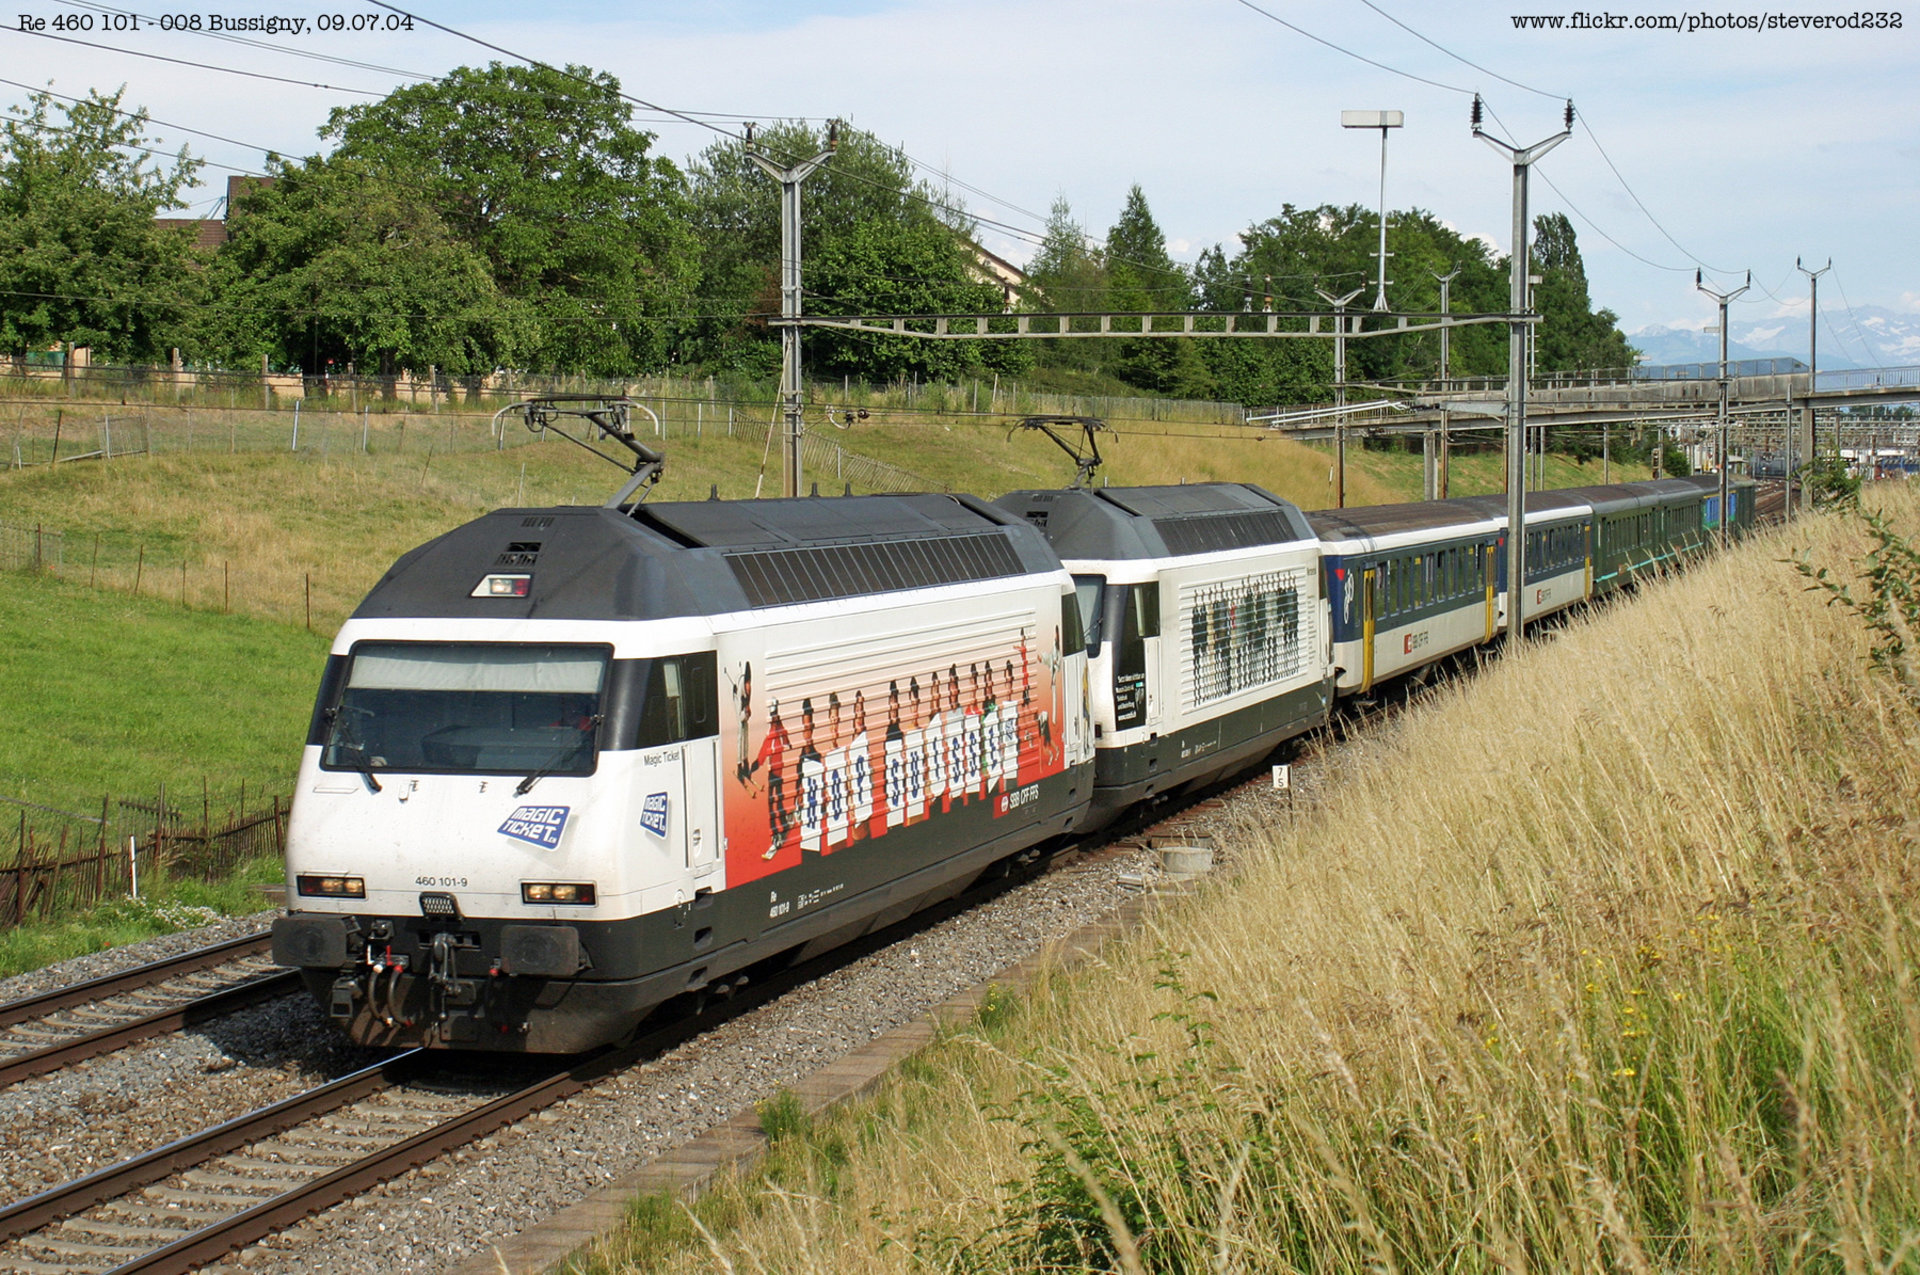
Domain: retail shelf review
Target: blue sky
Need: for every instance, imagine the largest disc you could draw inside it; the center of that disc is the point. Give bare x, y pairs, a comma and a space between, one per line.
1746, 147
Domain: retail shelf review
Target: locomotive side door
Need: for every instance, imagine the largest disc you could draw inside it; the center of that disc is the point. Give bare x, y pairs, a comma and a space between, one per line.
682, 717
1133, 623
702, 772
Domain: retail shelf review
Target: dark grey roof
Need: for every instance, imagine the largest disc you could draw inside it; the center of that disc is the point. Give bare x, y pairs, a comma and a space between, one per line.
1612, 498
707, 557
1537, 502
1113, 523
1367, 521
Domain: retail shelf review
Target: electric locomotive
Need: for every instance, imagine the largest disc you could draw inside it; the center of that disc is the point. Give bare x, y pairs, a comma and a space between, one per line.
567, 764
1206, 628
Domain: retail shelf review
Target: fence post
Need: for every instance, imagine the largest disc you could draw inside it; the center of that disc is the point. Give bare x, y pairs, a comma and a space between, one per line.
309, 578
139, 568
100, 857
59, 415
296, 424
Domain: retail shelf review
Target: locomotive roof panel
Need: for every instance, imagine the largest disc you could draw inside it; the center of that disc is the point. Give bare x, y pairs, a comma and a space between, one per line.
814, 520
1372, 522
705, 557
1116, 523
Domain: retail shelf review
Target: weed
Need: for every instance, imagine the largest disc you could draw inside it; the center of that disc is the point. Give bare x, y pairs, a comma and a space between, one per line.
1890, 609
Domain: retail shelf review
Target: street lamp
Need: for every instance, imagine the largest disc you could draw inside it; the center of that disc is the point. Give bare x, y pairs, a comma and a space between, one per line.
1382, 120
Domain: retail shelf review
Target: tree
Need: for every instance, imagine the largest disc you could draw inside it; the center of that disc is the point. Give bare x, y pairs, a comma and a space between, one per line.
338, 261
1571, 334
1067, 274
1141, 276
81, 259
873, 240
542, 171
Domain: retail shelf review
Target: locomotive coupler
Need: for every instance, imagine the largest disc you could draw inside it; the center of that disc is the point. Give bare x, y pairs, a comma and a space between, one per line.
449, 990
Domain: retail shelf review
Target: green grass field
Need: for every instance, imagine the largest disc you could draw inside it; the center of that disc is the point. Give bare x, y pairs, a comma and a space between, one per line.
108, 693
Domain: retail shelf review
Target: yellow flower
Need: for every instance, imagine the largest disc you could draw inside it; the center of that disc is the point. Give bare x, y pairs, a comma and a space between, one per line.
1625, 1071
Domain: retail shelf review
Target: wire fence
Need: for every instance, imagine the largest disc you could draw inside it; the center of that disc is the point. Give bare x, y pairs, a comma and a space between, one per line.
61, 862
176, 572
690, 403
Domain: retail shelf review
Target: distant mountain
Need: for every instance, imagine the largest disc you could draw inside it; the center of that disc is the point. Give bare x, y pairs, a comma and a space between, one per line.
1868, 337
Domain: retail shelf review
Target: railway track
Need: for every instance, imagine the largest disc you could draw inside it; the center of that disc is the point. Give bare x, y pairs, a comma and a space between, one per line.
189, 1203
192, 1202
56, 1029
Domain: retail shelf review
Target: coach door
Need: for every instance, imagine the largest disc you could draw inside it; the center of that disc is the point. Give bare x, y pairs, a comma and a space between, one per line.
1367, 579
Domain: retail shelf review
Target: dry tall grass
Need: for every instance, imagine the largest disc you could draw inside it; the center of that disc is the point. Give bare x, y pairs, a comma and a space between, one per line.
1603, 960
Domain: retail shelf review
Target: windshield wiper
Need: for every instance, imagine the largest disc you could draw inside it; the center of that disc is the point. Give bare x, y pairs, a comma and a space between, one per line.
588, 733
337, 745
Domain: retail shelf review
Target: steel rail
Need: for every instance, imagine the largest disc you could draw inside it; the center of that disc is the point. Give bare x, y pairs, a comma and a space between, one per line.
269, 1216
226, 1001
61, 1202
140, 976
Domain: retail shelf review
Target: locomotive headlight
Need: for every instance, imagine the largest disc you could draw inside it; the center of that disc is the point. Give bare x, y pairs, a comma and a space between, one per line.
503, 586
576, 892
331, 887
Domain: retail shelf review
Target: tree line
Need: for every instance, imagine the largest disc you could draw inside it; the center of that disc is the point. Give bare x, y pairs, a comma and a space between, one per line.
514, 217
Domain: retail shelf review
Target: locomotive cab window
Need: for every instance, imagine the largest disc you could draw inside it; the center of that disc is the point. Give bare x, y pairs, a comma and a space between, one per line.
1090, 593
680, 700
466, 708
1073, 633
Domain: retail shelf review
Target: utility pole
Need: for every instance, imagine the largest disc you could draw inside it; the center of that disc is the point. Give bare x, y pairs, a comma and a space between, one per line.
1339, 305
1522, 159
1446, 376
1446, 329
1725, 299
1813, 368
1382, 120
790, 178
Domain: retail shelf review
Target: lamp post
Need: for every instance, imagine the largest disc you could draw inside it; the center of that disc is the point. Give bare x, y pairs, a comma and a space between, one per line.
1382, 120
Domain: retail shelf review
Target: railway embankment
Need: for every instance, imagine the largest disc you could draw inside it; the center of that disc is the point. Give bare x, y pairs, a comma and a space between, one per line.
1601, 959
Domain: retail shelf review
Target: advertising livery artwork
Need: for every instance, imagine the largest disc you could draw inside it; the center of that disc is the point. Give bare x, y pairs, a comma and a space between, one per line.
1241, 634
840, 752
